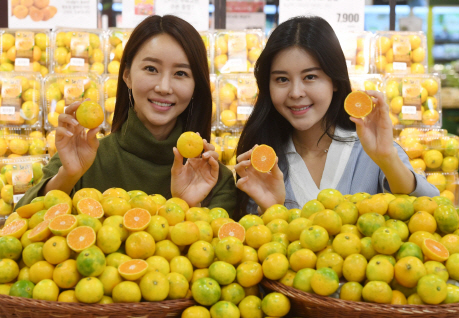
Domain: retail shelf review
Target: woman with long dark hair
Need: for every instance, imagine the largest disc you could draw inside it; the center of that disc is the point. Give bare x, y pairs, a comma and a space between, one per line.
303, 81
163, 90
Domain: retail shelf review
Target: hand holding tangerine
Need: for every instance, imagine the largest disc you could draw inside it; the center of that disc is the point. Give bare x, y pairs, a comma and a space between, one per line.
90, 114
190, 144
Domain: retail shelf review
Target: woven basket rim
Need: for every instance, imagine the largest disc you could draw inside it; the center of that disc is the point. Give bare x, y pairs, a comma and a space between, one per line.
346, 306
34, 305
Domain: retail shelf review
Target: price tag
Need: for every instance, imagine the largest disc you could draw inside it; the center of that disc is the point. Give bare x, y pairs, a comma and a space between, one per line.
22, 62
343, 15
17, 197
244, 110
74, 61
409, 110
399, 66
7, 110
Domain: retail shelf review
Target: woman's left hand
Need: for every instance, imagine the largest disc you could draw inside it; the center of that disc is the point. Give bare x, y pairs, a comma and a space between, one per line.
375, 130
194, 180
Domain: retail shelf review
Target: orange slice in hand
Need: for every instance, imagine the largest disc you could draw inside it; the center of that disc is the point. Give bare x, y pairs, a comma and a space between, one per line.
233, 229
435, 250
358, 104
136, 219
263, 158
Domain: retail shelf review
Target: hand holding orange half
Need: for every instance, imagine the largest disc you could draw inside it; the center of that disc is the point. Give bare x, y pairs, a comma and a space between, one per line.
260, 176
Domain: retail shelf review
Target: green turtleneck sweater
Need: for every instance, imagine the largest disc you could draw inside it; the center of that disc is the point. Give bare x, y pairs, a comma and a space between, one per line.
132, 159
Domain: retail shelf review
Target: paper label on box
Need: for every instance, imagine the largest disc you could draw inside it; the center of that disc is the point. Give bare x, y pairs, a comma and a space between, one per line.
11, 99
17, 197
7, 110
399, 66
76, 61
24, 44
73, 91
247, 91
411, 93
402, 49
237, 52
79, 50
22, 176
409, 110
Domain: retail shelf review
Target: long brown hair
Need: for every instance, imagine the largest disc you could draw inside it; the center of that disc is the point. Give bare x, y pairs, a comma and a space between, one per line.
197, 116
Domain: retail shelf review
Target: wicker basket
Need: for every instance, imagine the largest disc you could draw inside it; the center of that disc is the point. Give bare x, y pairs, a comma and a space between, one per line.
311, 305
24, 307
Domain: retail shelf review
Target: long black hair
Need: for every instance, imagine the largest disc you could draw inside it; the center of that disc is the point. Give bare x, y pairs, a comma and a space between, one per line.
266, 125
197, 118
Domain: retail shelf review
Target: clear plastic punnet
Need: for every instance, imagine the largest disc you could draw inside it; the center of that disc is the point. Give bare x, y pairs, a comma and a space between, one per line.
60, 90
410, 131
236, 95
208, 39
356, 47
21, 104
446, 183
110, 84
78, 50
18, 175
229, 149
213, 83
401, 52
414, 100
365, 82
237, 51
117, 39
25, 50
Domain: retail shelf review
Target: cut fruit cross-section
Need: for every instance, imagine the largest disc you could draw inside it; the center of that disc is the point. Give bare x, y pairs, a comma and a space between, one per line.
263, 158
40, 232
133, 269
358, 104
15, 228
136, 219
434, 250
26, 211
63, 224
56, 210
81, 238
232, 229
90, 207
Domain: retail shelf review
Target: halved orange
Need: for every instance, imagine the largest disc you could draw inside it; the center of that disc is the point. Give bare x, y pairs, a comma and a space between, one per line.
56, 210
15, 228
358, 104
26, 211
81, 238
62, 225
263, 158
232, 229
136, 219
133, 269
434, 250
90, 207
40, 232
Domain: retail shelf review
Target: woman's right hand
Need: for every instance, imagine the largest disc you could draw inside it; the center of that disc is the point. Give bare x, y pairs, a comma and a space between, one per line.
77, 149
266, 189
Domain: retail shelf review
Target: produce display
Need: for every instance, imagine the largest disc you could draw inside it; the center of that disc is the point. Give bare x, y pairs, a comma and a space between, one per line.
25, 51
356, 48
117, 39
399, 52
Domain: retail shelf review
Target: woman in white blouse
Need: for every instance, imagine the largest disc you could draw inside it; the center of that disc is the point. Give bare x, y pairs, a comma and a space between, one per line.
303, 80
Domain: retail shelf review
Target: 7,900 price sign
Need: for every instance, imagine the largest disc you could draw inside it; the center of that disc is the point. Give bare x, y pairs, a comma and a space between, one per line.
343, 15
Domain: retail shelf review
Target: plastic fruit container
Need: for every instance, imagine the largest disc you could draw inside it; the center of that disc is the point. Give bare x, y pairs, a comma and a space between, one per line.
208, 39
229, 149
60, 90
410, 131
236, 94
25, 50
365, 82
20, 100
18, 175
399, 52
110, 85
117, 39
414, 100
356, 48
78, 50
446, 183
237, 51
213, 83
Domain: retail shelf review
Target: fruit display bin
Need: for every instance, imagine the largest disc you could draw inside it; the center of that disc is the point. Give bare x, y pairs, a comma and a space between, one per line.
19, 307
20, 100
237, 51
236, 95
446, 183
356, 48
78, 50
399, 52
414, 100
60, 90
117, 39
311, 305
25, 50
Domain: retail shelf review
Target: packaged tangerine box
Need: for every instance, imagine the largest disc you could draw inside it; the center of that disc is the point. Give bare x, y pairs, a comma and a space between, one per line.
110, 86
446, 183
208, 39
20, 100
116, 41
399, 52
78, 50
236, 95
25, 50
237, 51
61, 90
356, 47
414, 100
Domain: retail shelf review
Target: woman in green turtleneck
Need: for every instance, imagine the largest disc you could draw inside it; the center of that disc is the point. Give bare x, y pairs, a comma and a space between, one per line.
163, 90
